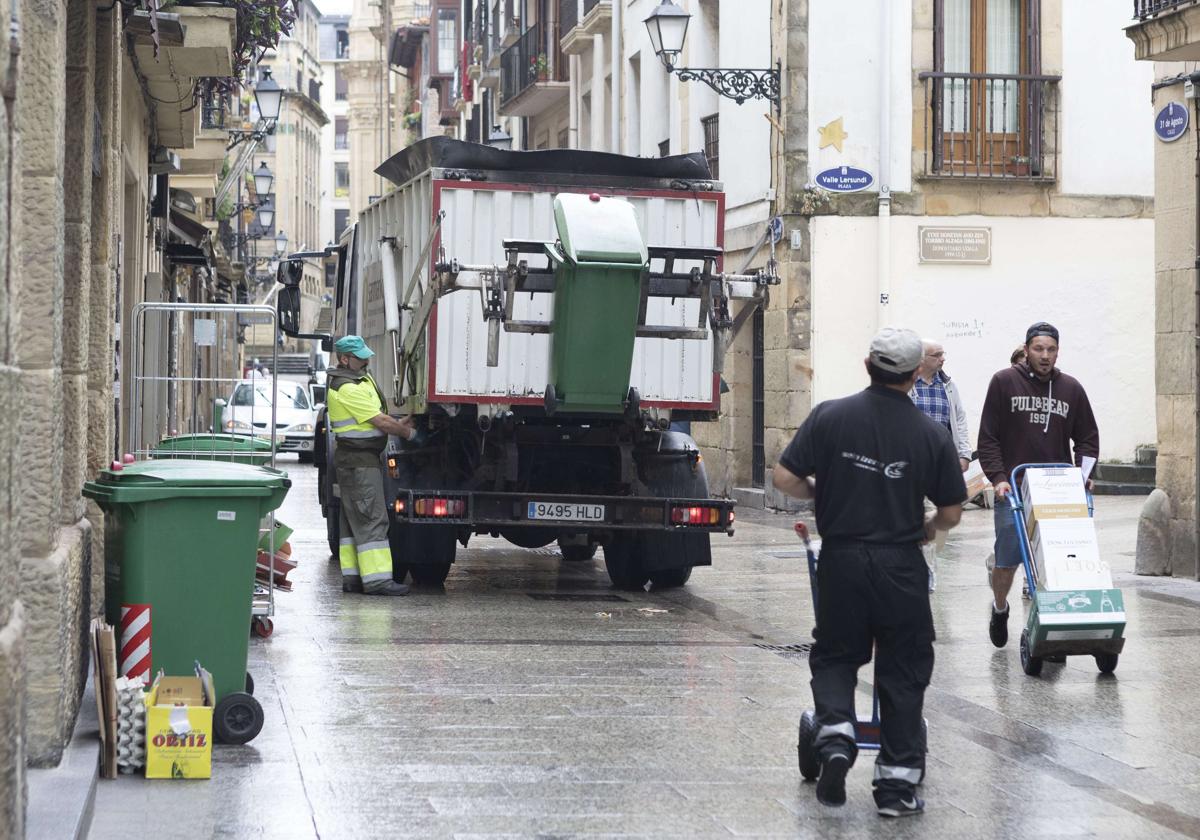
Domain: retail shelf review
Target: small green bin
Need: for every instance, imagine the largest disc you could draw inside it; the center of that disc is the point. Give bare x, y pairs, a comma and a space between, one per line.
240, 449
597, 294
181, 538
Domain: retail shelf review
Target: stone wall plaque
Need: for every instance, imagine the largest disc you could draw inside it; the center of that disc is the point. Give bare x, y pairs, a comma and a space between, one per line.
961, 245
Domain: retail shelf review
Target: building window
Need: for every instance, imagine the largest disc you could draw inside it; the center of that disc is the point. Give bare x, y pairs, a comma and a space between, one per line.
343, 43
664, 148
341, 218
988, 100
341, 132
447, 41
712, 144
341, 179
340, 87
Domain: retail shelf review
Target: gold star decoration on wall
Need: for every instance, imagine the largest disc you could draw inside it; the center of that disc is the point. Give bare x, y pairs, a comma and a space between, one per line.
833, 135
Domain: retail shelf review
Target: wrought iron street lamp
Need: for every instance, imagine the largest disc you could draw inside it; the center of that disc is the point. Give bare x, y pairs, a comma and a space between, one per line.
500, 139
667, 26
268, 96
264, 179
266, 214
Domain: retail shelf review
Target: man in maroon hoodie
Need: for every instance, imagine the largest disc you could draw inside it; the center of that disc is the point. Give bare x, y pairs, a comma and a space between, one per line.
1032, 414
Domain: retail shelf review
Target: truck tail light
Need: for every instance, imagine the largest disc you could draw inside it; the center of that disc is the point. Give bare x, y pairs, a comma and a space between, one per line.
700, 515
400, 505
438, 507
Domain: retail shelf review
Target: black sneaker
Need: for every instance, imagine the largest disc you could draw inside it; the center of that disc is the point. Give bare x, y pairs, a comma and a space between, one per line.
831, 784
900, 806
998, 626
352, 583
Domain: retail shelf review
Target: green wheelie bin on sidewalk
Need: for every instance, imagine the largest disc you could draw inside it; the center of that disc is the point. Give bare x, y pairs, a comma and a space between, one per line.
240, 449
180, 545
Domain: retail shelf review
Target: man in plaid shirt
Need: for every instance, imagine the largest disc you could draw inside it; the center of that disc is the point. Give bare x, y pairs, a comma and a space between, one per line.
938, 398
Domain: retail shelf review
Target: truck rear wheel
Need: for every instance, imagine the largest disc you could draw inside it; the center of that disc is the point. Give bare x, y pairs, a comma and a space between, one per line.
669, 556
574, 553
332, 525
623, 560
431, 550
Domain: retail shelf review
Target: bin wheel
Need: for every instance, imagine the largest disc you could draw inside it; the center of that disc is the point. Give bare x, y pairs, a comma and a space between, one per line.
332, 528
551, 401
249, 683
237, 718
1107, 662
806, 751
1030, 664
262, 626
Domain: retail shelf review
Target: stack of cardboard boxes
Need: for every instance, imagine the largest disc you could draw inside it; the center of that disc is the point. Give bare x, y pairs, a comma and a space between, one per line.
1076, 599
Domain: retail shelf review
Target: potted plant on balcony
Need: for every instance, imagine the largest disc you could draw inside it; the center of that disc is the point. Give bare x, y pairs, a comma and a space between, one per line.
539, 67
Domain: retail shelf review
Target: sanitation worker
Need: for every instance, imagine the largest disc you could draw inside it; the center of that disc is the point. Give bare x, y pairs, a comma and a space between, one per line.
360, 423
870, 460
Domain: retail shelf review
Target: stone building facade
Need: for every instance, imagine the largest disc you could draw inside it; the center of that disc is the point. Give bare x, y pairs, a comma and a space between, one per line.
1061, 192
1168, 35
78, 247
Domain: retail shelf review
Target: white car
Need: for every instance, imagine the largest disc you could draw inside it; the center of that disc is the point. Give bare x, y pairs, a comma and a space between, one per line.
249, 413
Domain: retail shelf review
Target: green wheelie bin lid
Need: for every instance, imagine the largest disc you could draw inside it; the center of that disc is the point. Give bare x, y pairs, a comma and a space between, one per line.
599, 231
171, 478
240, 449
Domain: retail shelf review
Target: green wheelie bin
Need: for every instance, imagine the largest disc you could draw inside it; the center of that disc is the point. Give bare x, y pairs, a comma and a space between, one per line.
180, 546
597, 294
240, 449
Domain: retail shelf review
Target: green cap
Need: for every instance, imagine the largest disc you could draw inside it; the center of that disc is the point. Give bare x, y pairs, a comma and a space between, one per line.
353, 345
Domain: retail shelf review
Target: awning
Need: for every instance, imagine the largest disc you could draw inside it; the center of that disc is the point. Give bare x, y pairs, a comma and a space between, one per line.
186, 229
181, 253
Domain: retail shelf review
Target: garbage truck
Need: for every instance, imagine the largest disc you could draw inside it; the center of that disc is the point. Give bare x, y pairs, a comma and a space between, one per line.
545, 317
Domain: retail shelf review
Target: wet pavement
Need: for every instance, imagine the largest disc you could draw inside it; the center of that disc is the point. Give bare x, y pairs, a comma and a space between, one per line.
529, 699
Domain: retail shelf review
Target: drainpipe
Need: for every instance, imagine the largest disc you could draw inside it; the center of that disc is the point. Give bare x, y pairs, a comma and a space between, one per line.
884, 231
573, 118
597, 120
617, 98
10, 99
1196, 333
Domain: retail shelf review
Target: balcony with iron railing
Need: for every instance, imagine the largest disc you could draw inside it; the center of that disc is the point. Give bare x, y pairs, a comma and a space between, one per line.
532, 75
579, 20
1165, 30
213, 110
991, 126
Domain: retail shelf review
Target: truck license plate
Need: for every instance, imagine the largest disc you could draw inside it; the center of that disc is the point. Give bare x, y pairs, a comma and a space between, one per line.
566, 511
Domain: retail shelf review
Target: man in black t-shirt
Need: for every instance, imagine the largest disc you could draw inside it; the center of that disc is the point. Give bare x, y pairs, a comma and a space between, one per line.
870, 460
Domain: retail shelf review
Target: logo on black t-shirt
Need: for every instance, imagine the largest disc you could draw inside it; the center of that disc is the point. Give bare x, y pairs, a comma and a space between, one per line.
892, 470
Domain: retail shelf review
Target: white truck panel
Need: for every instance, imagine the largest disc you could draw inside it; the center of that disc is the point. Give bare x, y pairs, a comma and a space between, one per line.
479, 216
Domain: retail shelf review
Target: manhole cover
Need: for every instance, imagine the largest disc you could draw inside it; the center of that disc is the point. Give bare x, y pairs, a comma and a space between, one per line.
573, 596
801, 650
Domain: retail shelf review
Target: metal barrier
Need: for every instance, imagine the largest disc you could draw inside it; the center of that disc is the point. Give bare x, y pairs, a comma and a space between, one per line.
186, 378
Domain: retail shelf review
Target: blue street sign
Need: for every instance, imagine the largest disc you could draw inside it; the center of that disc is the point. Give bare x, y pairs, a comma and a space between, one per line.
844, 179
1171, 122
776, 224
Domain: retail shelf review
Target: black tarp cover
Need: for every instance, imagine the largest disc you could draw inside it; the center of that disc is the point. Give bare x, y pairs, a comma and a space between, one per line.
447, 153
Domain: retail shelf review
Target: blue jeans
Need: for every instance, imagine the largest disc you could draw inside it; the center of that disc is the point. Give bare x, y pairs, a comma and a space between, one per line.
1008, 541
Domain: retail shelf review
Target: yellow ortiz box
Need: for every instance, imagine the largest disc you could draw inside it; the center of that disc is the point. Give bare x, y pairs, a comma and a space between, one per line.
1053, 493
179, 725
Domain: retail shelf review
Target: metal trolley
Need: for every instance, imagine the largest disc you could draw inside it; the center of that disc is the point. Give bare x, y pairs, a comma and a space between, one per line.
185, 363
866, 730
1034, 654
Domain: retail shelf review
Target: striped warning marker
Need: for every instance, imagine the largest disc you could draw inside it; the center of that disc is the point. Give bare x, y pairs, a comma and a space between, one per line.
134, 657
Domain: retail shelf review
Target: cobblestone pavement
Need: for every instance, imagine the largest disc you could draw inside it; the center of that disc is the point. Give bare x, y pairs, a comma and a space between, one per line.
531, 699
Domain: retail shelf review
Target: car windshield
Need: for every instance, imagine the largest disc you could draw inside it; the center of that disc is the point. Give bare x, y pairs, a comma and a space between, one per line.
258, 395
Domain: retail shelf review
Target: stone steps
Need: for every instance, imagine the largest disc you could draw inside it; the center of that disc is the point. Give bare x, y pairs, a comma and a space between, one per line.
1136, 479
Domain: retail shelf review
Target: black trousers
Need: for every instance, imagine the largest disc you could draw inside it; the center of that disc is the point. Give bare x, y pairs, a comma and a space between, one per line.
873, 596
